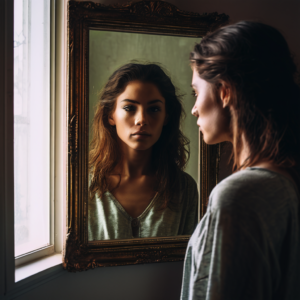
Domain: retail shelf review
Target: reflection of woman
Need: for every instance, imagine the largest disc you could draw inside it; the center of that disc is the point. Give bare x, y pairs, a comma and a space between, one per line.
137, 154
247, 246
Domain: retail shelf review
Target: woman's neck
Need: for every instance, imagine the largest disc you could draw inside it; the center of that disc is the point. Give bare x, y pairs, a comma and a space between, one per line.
261, 163
245, 151
134, 163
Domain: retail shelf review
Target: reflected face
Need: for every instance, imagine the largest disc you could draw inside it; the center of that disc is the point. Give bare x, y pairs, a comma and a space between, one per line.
139, 116
212, 118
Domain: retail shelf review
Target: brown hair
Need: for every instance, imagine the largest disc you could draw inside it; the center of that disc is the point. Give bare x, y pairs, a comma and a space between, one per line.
170, 153
255, 61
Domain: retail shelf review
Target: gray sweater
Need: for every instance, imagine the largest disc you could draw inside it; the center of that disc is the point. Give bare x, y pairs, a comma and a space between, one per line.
247, 246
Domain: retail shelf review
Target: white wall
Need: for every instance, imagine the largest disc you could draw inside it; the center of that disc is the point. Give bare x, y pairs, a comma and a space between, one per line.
162, 281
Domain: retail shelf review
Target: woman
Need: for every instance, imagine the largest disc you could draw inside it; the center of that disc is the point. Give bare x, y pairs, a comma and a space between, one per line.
137, 156
247, 245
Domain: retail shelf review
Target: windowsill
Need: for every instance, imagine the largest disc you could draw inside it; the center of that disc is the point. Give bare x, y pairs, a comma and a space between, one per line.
35, 273
37, 266
33, 256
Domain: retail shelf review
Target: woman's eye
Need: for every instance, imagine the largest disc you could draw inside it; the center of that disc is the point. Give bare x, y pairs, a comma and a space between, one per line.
194, 94
129, 107
154, 109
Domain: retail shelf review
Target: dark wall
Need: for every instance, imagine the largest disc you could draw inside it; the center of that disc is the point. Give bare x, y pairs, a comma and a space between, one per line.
282, 14
159, 281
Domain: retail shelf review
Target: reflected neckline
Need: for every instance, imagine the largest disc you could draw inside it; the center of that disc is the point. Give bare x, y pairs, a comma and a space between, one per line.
119, 205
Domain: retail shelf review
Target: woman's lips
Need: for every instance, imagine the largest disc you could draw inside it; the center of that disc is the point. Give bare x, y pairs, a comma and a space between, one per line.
199, 126
141, 135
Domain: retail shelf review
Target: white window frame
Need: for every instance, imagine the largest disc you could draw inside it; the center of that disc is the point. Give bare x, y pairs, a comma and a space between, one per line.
41, 260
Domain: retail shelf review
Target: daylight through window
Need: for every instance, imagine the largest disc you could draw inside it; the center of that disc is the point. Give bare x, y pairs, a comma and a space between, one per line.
31, 124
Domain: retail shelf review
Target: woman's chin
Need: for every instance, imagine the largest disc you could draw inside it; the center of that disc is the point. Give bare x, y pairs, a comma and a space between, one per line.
214, 140
210, 140
141, 147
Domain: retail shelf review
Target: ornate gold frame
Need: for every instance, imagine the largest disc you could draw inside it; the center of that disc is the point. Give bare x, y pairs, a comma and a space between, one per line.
155, 17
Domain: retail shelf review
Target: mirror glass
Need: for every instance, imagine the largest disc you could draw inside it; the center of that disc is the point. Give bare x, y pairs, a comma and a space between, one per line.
108, 51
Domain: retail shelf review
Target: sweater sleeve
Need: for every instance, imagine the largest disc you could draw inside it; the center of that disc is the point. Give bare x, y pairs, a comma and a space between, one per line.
239, 255
247, 245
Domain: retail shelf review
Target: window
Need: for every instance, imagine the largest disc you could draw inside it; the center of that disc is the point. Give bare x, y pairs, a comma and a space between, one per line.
31, 125
21, 57
39, 128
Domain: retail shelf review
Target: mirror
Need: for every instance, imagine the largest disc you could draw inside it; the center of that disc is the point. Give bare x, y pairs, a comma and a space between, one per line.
101, 40
107, 217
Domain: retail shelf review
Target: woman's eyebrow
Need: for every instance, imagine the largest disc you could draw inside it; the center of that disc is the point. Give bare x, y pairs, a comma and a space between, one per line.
132, 101
150, 102
155, 101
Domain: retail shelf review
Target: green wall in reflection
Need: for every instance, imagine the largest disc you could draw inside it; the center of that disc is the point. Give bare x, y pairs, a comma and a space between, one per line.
110, 50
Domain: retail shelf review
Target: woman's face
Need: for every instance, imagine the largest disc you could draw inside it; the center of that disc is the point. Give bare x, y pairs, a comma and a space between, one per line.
139, 115
213, 116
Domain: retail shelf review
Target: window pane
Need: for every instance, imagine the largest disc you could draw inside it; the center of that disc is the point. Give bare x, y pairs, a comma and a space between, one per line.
31, 124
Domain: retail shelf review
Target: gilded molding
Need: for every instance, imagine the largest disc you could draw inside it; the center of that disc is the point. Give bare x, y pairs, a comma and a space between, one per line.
156, 17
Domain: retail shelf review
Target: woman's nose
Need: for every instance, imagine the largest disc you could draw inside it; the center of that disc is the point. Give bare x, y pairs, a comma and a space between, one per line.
141, 118
195, 111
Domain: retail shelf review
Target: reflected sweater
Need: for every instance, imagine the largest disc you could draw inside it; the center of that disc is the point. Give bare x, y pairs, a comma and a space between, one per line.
247, 246
107, 219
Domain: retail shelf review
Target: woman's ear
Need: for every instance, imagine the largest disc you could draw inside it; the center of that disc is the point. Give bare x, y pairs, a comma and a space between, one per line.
111, 120
225, 94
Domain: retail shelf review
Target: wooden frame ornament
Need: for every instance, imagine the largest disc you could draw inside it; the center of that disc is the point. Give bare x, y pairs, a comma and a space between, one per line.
155, 17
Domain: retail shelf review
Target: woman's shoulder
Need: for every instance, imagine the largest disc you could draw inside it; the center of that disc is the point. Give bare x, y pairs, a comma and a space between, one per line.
253, 186
187, 181
187, 190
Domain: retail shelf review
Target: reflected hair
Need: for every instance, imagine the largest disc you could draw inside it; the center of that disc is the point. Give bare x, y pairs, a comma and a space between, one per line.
254, 60
170, 153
